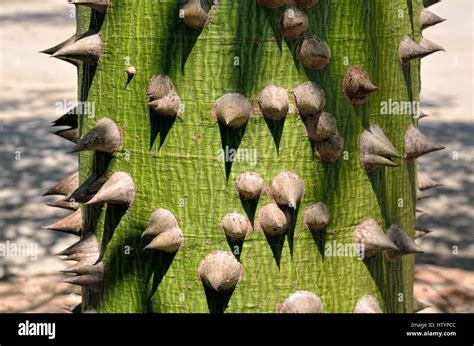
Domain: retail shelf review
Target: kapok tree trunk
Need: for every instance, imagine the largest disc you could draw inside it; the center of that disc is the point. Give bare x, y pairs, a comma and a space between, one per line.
179, 162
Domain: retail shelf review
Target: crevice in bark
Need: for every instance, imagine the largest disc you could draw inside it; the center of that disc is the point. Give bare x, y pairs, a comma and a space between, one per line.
407, 75
189, 38
247, 47
159, 125
236, 246
217, 302
290, 235
230, 139
276, 129
250, 208
159, 263
330, 179
276, 244
377, 180
113, 216
410, 13
319, 239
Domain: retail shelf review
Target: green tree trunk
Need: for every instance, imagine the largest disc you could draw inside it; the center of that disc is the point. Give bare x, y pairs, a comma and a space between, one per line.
176, 166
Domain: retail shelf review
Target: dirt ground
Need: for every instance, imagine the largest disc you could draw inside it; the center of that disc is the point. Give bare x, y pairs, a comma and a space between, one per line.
33, 89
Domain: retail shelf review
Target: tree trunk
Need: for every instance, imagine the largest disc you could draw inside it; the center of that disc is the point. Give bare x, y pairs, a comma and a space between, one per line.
177, 164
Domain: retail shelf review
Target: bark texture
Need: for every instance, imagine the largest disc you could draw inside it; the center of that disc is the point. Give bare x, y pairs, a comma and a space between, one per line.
175, 164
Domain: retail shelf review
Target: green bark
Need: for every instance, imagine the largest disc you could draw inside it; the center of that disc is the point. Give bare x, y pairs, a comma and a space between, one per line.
178, 169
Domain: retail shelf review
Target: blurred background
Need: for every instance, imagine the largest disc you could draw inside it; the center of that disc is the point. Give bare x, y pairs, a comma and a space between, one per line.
34, 88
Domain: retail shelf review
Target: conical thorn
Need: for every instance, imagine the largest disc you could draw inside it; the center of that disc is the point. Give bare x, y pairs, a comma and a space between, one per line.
372, 239
98, 5
71, 134
71, 224
118, 189
64, 204
409, 50
376, 150
86, 48
70, 119
65, 187
428, 3
416, 144
404, 243
367, 304
168, 241
105, 136
428, 18
425, 183
84, 248
93, 282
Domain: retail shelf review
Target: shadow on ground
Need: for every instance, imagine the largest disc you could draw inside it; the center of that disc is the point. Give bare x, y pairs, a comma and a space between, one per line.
450, 208
32, 160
